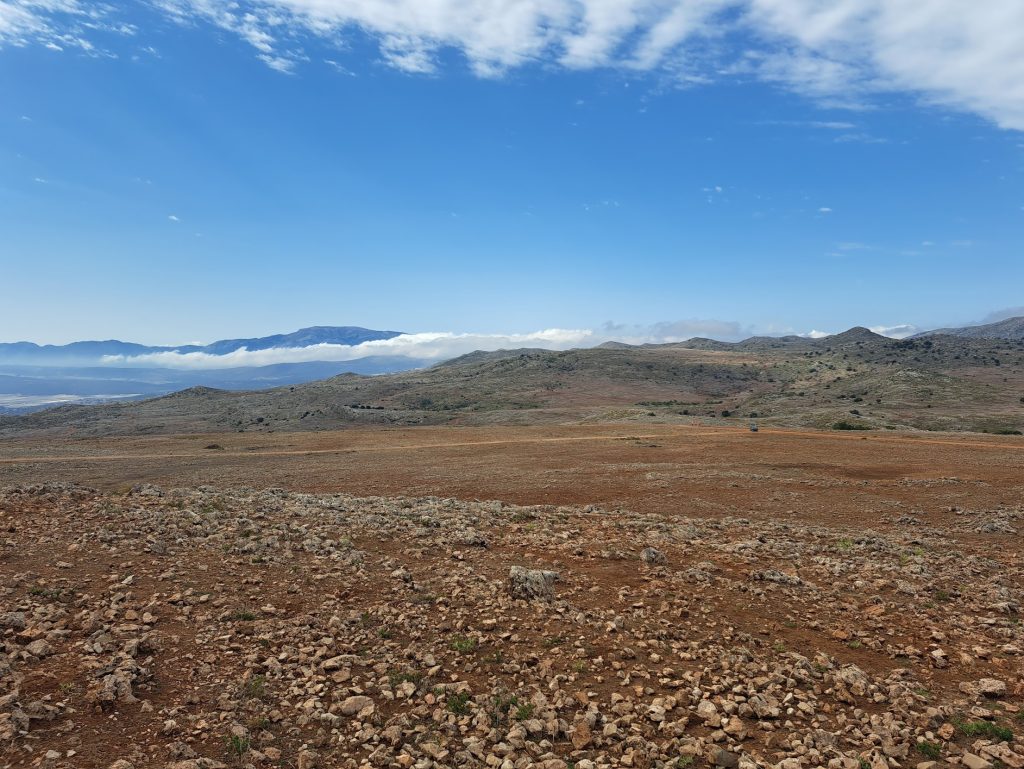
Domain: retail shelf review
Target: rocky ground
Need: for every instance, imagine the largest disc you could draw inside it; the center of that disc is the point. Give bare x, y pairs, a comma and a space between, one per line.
205, 627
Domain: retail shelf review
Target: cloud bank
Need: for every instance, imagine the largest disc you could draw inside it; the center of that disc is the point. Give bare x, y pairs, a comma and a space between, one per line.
958, 54
437, 346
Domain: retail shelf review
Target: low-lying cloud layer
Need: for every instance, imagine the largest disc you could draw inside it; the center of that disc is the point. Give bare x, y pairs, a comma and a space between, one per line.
964, 55
437, 346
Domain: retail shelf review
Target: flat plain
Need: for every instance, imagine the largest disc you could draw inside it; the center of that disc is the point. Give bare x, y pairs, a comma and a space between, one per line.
723, 598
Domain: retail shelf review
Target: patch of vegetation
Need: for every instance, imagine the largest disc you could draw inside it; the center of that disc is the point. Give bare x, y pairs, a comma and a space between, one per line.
500, 705
238, 745
985, 729
255, 687
523, 712
49, 593
459, 703
843, 424
684, 762
396, 677
241, 615
930, 750
463, 644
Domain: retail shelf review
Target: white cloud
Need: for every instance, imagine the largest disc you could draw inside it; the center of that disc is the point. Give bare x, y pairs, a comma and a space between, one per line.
959, 54
437, 346
899, 331
442, 345
824, 210
429, 346
173, 218
58, 24
998, 315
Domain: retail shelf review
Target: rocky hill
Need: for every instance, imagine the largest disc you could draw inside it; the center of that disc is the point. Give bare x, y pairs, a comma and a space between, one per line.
856, 379
1010, 328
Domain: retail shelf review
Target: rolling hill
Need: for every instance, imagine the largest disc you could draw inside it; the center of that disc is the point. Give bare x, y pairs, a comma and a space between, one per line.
1010, 328
857, 377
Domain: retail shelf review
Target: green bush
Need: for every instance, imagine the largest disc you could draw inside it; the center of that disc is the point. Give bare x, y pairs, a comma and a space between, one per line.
985, 729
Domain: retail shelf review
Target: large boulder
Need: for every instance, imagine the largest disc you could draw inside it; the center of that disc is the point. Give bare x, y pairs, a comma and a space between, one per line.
532, 584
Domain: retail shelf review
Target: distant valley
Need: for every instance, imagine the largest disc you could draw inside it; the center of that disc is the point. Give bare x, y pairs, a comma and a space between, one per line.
856, 380
34, 377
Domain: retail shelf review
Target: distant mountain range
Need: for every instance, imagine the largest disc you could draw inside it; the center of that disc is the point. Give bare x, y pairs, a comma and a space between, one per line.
1010, 328
855, 380
89, 353
35, 376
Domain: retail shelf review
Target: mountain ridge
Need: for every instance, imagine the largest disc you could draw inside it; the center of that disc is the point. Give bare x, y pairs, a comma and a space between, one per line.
853, 378
30, 353
1008, 328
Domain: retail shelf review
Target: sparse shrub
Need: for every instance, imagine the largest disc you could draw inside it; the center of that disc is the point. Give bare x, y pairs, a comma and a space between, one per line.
463, 644
459, 703
238, 745
49, 593
396, 677
930, 750
241, 615
985, 729
845, 425
523, 712
255, 687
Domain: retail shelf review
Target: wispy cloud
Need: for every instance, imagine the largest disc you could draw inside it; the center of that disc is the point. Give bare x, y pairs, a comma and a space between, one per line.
425, 346
434, 346
899, 331
1006, 312
59, 24
437, 346
951, 53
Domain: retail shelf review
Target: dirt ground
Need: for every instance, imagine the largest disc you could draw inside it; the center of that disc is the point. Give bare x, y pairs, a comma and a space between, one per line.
693, 597
670, 470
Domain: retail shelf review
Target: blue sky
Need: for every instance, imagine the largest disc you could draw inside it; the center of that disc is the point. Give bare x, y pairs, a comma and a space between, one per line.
196, 169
